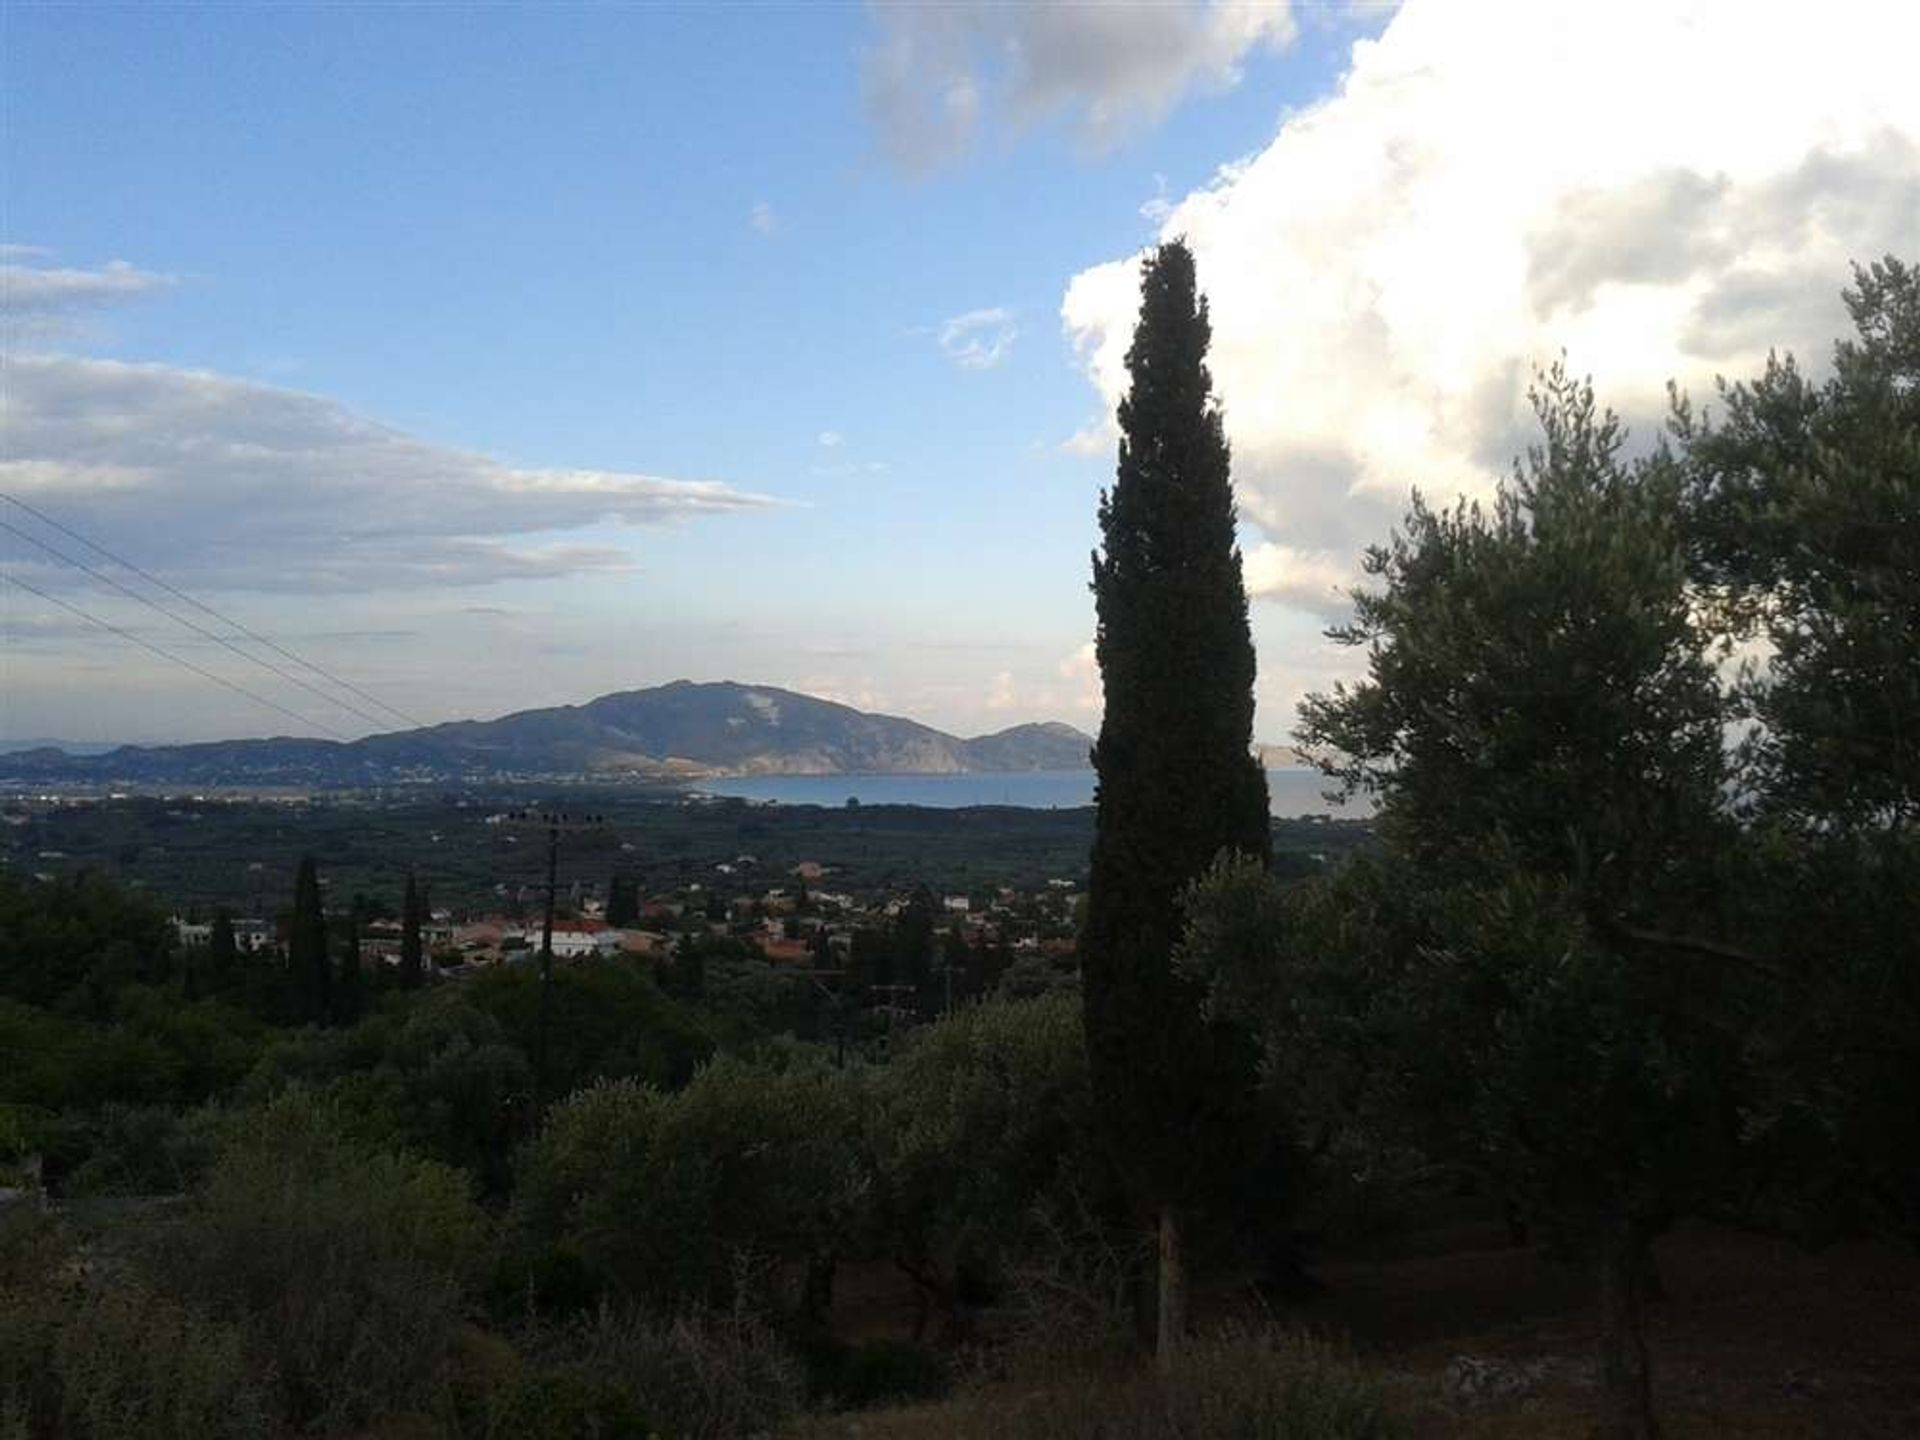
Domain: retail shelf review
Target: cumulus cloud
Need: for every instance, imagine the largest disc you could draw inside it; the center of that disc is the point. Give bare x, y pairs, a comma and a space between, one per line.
1665, 194
1081, 671
831, 439
933, 74
1158, 206
762, 218
229, 483
979, 339
40, 301
1316, 581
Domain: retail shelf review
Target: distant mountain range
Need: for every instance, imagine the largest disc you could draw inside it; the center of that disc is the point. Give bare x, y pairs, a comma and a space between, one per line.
678, 731
71, 747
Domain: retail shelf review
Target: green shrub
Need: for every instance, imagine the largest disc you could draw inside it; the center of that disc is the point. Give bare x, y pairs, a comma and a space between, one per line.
1275, 1385
880, 1371
1240, 1385
134, 1150
147, 1046
1072, 1289
346, 1268
542, 1280
78, 938
101, 1357
978, 1123
432, 1072
607, 1020
615, 1374
680, 1199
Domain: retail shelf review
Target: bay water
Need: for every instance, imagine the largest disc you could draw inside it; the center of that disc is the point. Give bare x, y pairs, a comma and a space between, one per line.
1291, 793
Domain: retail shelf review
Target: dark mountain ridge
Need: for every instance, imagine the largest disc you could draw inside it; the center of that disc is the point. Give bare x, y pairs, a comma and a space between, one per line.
682, 730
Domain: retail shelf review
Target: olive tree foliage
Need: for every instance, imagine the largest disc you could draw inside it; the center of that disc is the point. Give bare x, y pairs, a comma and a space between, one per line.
982, 1119
108, 1357
1536, 675
1803, 502
1542, 725
344, 1266
709, 1195
77, 941
437, 1075
1308, 968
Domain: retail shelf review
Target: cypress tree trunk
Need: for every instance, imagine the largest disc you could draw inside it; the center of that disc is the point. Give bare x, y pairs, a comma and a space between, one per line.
1172, 1329
222, 952
1626, 1377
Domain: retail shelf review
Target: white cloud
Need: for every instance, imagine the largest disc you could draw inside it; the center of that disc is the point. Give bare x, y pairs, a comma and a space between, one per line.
1312, 580
1081, 671
979, 339
1660, 193
762, 218
40, 301
934, 73
1159, 206
831, 439
1001, 693
862, 692
227, 483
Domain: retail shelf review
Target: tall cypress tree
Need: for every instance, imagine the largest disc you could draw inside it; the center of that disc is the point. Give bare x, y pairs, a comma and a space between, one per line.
307, 956
1178, 783
223, 952
412, 971
350, 991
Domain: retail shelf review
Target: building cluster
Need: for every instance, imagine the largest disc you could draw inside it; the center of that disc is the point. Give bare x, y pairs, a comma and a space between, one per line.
799, 923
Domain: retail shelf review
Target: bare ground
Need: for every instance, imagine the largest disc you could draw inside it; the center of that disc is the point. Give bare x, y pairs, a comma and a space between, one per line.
1755, 1339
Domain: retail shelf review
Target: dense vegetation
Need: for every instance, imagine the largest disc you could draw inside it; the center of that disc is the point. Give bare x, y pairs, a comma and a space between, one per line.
203, 854
1633, 943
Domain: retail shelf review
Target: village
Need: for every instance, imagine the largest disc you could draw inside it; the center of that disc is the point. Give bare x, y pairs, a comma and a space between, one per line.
792, 920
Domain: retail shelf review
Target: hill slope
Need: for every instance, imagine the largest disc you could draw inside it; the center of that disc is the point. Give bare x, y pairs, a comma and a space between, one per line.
681, 729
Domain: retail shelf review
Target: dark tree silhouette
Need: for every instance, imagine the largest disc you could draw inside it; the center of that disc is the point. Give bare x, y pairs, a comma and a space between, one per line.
307, 954
223, 952
350, 994
1178, 783
412, 967
623, 901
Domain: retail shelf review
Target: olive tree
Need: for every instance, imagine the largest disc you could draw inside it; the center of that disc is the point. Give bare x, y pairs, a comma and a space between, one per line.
979, 1118
1542, 725
1803, 510
749, 1174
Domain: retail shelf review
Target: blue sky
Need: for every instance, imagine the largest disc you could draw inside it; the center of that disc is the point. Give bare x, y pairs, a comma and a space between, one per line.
437, 310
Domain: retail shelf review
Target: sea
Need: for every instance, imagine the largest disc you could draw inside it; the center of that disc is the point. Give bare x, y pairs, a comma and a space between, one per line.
1291, 794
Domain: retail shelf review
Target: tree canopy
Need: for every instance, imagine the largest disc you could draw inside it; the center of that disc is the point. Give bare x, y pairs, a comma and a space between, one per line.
1177, 779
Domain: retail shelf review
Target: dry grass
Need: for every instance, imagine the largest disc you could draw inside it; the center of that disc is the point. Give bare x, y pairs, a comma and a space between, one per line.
1756, 1340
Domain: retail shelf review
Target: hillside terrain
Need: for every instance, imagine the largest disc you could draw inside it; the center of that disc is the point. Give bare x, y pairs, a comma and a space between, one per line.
678, 731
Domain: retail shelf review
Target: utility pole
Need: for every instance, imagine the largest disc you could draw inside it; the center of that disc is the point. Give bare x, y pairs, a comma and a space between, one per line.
555, 823
836, 1004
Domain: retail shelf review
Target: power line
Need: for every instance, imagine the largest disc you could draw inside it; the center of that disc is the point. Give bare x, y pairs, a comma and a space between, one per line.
192, 625
168, 655
206, 609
